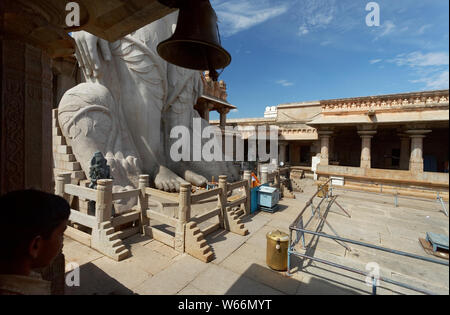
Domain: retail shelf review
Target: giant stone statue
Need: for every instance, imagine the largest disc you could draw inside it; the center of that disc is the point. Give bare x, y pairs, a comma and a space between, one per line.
130, 101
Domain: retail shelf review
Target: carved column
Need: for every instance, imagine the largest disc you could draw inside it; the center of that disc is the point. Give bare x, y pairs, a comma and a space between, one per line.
366, 136
416, 158
282, 152
25, 117
404, 151
324, 146
223, 116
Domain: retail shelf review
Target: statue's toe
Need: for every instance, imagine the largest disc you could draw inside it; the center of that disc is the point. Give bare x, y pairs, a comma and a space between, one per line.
195, 179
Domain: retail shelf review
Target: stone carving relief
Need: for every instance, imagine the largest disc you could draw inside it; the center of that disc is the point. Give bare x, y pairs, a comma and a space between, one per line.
385, 103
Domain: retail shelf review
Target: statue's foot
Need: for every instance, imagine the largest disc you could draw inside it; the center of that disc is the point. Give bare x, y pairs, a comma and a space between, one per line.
195, 179
167, 180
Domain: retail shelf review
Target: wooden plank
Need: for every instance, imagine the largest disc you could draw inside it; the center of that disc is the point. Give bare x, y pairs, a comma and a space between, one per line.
237, 202
236, 185
125, 194
162, 194
83, 192
201, 218
153, 215
125, 218
78, 236
210, 229
83, 219
160, 236
205, 195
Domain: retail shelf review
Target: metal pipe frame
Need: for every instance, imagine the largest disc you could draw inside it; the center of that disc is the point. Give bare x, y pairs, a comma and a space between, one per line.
301, 230
397, 196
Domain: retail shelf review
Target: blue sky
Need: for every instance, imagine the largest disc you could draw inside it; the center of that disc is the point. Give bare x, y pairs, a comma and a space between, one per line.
302, 50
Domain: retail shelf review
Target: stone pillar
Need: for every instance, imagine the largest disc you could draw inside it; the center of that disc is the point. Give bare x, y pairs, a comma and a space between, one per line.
223, 201
184, 215
223, 117
25, 117
282, 152
248, 178
264, 175
404, 151
61, 180
416, 158
143, 202
366, 137
324, 146
103, 204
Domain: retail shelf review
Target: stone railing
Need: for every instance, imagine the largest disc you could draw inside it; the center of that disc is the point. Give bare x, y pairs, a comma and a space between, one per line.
387, 102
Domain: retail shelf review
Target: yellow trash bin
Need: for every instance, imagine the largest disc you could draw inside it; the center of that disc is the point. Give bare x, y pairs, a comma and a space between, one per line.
322, 192
277, 250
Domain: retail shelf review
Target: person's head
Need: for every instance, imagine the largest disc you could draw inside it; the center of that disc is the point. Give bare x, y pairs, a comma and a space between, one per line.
32, 224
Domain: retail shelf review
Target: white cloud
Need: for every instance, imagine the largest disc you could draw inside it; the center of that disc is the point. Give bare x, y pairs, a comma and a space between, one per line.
326, 43
435, 82
303, 30
423, 29
418, 59
284, 83
387, 28
313, 15
374, 61
238, 15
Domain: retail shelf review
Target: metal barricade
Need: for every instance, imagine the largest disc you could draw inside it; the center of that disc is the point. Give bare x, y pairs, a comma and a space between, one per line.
300, 228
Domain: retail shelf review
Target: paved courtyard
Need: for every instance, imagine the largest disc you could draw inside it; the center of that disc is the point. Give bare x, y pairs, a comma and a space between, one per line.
239, 267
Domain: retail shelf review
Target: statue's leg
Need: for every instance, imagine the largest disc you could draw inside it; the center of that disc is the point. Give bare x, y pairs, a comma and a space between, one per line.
183, 168
90, 126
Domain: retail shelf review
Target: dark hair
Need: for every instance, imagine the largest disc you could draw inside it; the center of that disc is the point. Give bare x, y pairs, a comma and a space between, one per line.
26, 214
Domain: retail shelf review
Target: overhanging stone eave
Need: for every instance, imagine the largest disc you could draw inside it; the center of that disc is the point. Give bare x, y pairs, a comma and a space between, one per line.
438, 116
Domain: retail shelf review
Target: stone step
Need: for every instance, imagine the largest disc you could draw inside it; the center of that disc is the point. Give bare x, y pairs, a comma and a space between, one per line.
120, 249
65, 157
59, 140
116, 243
70, 166
114, 236
63, 149
123, 254
56, 131
205, 250
203, 243
106, 226
196, 231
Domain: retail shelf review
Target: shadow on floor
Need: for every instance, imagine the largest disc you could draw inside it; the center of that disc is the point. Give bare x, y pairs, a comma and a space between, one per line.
274, 282
93, 281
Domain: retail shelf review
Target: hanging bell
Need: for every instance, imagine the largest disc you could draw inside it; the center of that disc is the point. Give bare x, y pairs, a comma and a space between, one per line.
196, 41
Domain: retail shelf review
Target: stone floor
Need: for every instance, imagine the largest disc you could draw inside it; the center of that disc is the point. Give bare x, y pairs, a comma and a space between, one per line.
239, 267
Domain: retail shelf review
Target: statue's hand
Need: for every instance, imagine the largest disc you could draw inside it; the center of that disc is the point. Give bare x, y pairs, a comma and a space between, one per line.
88, 54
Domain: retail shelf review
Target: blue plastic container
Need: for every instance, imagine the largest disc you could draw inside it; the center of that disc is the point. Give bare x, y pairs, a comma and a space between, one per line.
268, 196
254, 199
